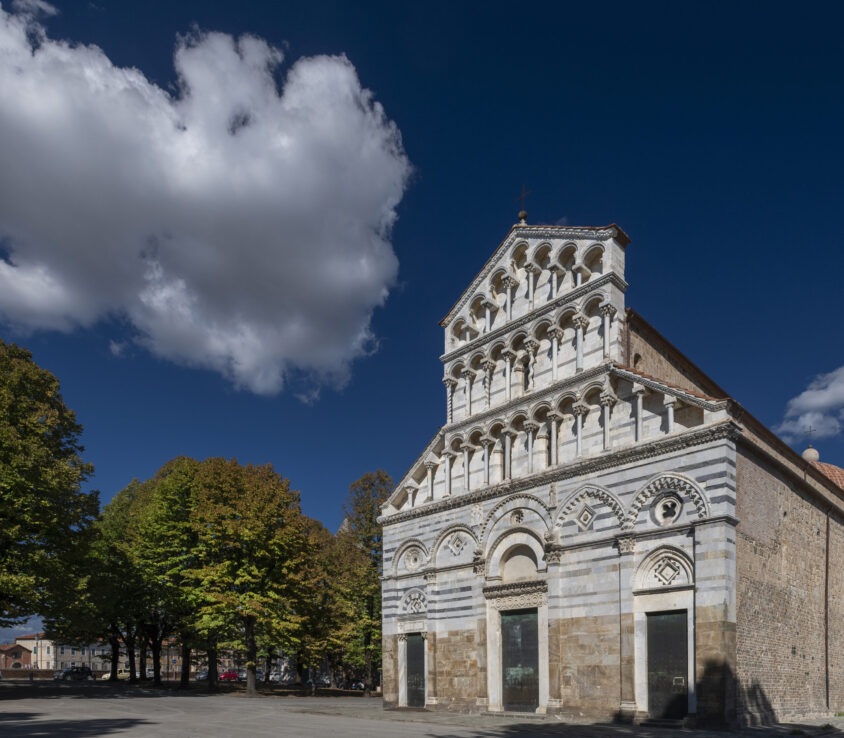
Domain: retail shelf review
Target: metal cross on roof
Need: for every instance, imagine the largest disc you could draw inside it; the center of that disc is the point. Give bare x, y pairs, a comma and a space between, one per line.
522, 197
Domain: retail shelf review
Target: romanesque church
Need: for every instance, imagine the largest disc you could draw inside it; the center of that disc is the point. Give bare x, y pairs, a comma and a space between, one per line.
598, 530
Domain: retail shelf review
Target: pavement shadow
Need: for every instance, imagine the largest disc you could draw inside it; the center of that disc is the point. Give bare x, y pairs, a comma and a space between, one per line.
25, 725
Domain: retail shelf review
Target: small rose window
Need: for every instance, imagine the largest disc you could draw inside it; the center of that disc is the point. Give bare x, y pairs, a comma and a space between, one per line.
667, 510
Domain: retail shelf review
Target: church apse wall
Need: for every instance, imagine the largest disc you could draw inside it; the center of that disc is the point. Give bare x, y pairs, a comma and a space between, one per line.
567, 542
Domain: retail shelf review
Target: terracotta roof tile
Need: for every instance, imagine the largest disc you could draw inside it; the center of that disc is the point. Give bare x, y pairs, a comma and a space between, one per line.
835, 473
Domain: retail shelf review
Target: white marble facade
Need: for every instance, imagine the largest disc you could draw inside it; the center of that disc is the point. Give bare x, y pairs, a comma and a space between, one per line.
562, 480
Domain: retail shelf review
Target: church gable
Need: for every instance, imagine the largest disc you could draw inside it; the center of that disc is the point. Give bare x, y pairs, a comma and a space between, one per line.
532, 266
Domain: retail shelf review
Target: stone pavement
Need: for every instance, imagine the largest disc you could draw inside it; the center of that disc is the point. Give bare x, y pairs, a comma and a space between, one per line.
106, 710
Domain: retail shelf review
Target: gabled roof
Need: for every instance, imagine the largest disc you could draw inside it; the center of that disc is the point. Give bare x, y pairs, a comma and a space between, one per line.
533, 231
668, 384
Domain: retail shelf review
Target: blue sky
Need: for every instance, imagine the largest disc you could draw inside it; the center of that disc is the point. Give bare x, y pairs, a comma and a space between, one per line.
710, 132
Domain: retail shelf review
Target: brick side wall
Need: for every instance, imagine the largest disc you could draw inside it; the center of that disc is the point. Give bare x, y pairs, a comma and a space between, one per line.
781, 554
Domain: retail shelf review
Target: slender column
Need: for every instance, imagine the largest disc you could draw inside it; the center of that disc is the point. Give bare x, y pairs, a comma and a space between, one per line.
466, 448
487, 442
530, 429
670, 403
489, 370
555, 271
639, 391
487, 316
553, 419
429, 469
468, 375
508, 454
581, 322
580, 409
556, 336
532, 345
509, 283
519, 370
576, 276
450, 384
531, 270
447, 456
607, 313
508, 356
608, 399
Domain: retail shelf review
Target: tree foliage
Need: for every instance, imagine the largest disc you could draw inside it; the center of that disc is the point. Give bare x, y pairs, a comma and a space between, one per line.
45, 517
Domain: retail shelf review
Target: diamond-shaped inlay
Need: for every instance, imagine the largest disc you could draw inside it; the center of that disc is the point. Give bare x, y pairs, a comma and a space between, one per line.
585, 517
667, 570
456, 544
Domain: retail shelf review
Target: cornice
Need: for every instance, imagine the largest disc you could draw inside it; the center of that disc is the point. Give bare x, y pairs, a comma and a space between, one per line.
573, 296
723, 430
653, 384
529, 398
521, 232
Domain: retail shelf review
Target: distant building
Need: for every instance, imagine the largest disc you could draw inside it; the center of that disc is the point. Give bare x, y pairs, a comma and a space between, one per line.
47, 654
598, 529
14, 656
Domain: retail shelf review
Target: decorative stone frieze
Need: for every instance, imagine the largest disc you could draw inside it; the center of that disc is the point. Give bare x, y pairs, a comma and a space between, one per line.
518, 595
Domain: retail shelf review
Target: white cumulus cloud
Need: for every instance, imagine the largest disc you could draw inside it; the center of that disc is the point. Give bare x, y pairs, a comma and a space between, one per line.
819, 407
241, 224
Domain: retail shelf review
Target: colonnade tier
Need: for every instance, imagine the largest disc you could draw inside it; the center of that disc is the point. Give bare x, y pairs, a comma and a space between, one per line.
555, 269
518, 354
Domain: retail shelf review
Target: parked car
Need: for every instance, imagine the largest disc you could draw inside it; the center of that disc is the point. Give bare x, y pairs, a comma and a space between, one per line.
229, 675
74, 674
356, 685
201, 674
241, 675
275, 677
121, 674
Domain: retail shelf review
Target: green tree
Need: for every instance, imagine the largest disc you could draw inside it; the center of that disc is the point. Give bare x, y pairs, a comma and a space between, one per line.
362, 535
45, 517
251, 551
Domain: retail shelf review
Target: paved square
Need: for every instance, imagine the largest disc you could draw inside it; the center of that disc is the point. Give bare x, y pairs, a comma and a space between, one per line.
105, 710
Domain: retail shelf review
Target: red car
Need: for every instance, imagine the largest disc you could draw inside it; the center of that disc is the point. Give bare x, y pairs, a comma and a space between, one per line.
229, 675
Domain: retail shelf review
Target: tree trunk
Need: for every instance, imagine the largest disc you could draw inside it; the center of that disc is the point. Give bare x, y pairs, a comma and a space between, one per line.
185, 677
212, 666
142, 658
251, 655
115, 657
268, 665
156, 660
367, 651
129, 640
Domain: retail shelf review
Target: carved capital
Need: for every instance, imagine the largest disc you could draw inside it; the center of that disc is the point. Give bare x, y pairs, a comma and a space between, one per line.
450, 382
639, 389
509, 281
626, 544
430, 464
554, 416
402, 637
670, 401
580, 321
531, 426
580, 408
478, 562
557, 333
532, 345
488, 366
608, 309
487, 441
608, 397
531, 267
508, 354
553, 553
468, 374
